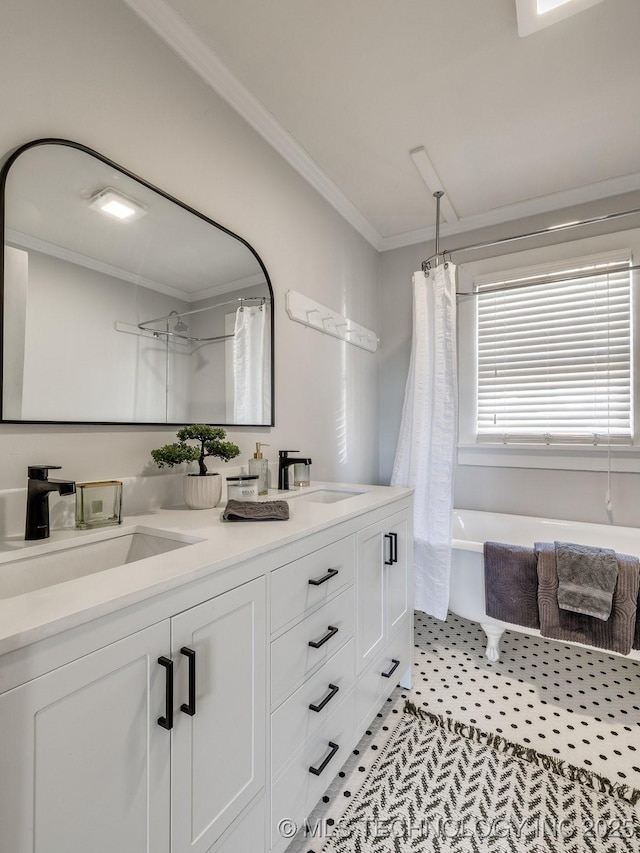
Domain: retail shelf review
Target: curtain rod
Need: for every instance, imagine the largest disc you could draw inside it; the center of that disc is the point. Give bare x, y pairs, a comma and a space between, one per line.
242, 299
550, 280
552, 229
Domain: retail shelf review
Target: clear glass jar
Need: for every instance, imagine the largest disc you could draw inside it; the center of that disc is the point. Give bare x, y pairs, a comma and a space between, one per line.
301, 474
244, 487
98, 504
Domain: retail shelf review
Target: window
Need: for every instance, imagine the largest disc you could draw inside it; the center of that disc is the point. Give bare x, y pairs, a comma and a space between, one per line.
554, 354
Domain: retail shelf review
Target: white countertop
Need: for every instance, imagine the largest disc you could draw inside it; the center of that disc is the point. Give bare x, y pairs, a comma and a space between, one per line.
33, 616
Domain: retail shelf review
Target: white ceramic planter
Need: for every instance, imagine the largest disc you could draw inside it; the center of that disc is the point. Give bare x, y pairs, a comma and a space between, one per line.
202, 492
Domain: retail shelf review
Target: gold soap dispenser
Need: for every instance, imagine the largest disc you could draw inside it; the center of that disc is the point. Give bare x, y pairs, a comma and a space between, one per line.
260, 466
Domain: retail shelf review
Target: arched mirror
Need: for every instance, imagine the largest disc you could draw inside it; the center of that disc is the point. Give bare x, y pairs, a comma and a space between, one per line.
121, 305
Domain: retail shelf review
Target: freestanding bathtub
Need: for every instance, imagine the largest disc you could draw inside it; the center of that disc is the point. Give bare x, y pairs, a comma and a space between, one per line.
471, 529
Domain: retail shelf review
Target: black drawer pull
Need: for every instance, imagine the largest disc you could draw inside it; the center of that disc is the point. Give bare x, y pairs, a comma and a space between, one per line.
396, 664
333, 689
167, 721
318, 770
393, 548
315, 644
190, 707
331, 573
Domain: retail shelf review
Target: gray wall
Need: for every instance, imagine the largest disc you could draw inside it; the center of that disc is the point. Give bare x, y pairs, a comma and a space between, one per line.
91, 71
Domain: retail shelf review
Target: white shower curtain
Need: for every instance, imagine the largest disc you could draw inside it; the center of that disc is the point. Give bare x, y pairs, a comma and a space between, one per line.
427, 443
252, 366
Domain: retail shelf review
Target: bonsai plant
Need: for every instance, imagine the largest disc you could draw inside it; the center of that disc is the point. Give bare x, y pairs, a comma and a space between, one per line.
201, 490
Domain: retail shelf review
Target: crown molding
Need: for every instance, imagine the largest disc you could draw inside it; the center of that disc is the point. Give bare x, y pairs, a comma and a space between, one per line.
520, 210
229, 287
172, 28
26, 241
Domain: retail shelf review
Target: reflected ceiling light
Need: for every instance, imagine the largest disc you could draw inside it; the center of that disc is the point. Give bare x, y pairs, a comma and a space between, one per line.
116, 204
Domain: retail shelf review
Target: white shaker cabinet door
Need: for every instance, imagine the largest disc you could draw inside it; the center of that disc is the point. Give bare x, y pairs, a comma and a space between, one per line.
219, 751
383, 583
84, 764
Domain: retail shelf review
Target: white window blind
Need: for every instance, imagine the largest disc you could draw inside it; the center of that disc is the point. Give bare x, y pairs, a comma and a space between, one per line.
554, 357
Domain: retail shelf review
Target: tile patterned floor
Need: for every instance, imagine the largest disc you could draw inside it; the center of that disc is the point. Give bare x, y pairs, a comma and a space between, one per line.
578, 704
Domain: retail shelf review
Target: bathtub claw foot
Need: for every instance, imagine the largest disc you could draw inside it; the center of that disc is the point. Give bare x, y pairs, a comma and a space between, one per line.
494, 633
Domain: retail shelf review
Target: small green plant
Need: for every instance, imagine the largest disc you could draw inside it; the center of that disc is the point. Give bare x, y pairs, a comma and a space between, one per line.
209, 442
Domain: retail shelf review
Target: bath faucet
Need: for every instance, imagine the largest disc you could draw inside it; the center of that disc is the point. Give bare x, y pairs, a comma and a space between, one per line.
284, 463
38, 488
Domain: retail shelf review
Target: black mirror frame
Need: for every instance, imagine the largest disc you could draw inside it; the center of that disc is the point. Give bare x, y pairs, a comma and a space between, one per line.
6, 166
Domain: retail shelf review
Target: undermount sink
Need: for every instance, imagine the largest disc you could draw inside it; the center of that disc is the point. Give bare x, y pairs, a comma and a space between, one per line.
326, 496
71, 560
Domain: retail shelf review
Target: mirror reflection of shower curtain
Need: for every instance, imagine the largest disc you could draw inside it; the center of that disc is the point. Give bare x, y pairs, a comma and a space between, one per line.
252, 365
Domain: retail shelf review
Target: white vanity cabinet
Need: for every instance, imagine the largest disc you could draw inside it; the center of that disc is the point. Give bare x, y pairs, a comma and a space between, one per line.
322, 704
383, 584
218, 759
84, 764
385, 615
312, 679
103, 754
218, 699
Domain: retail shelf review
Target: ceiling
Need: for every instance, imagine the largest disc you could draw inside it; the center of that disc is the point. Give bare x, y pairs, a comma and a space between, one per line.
511, 126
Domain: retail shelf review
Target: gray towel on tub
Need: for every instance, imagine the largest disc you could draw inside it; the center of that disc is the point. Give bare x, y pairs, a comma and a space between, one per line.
586, 579
511, 584
616, 633
256, 511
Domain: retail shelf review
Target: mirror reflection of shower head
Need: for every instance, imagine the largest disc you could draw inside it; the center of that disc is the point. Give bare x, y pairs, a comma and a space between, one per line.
179, 325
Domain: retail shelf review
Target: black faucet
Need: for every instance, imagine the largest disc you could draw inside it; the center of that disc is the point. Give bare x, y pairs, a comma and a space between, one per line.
38, 488
284, 463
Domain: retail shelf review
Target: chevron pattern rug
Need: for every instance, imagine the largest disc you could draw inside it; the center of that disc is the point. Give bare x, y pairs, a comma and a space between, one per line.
444, 787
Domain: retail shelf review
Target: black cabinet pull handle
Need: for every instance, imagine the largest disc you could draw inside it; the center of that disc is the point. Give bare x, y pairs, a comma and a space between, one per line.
396, 664
315, 644
389, 562
190, 707
318, 770
167, 721
331, 573
393, 548
333, 689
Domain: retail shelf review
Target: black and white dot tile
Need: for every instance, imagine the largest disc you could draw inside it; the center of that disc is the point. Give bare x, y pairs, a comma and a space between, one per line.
577, 704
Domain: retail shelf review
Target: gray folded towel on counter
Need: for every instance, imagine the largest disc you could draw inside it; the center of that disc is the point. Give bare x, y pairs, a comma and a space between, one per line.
256, 511
586, 579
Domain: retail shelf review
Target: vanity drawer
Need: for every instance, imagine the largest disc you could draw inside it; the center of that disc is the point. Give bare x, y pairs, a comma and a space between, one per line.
294, 721
297, 789
373, 686
302, 585
292, 656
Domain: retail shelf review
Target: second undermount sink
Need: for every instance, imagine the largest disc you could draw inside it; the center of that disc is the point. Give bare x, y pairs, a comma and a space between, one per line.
58, 562
327, 496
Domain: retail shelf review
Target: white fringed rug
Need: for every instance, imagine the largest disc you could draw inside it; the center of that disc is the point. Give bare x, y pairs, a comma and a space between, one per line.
447, 787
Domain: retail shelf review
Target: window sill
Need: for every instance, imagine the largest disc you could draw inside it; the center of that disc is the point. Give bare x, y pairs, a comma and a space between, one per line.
559, 457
